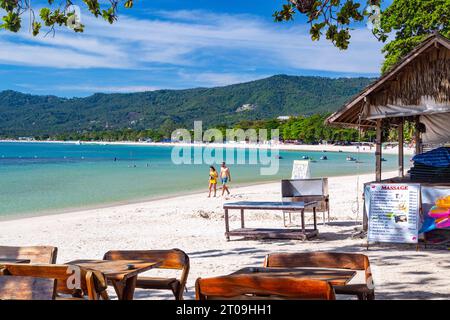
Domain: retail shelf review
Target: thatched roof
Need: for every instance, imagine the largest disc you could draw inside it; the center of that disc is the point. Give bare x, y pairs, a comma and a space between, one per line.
423, 73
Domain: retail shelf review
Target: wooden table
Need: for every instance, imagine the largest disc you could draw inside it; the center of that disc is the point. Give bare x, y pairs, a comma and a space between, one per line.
334, 277
117, 272
260, 233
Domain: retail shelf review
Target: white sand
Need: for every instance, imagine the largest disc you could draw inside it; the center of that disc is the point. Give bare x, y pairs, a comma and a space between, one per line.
278, 146
195, 224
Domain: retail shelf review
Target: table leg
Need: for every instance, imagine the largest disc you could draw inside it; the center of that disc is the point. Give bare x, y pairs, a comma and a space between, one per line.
130, 286
227, 226
303, 221
242, 219
315, 218
125, 289
118, 287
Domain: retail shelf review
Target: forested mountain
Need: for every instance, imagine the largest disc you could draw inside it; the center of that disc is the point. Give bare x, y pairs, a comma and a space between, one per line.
28, 115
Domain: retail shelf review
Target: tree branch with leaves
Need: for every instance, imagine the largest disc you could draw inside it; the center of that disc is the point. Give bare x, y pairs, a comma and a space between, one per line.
53, 15
331, 18
409, 21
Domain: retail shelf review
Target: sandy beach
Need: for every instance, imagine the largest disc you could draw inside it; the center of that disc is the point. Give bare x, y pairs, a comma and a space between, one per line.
277, 146
195, 224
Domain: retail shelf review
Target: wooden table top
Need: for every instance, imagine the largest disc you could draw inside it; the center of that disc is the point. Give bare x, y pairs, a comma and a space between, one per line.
266, 205
8, 261
334, 277
117, 269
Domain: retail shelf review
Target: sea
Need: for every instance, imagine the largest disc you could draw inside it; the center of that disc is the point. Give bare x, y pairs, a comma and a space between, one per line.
46, 178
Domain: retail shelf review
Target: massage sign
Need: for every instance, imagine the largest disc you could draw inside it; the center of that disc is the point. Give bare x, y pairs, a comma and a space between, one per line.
393, 213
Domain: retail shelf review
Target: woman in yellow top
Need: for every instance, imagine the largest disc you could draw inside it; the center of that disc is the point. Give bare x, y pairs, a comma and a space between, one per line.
213, 175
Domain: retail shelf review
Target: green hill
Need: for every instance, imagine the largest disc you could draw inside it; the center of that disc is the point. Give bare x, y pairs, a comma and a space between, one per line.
26, 115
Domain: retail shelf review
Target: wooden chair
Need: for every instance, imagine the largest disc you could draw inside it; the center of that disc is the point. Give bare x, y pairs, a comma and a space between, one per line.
258, 287
331, 260
91, 284
172, 259
37, 254
27, 288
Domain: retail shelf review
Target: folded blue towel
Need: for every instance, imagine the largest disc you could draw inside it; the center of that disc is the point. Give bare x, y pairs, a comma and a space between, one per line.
439, 158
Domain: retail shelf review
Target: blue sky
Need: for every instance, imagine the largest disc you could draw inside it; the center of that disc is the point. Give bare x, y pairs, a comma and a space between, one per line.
175, 44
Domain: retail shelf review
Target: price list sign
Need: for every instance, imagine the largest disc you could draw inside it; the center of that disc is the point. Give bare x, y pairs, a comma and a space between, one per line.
394, 213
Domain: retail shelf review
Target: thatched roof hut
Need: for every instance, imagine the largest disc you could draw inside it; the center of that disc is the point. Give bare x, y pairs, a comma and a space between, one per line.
417, 88
419, 84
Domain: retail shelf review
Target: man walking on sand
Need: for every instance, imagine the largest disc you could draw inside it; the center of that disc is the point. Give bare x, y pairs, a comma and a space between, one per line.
225, 177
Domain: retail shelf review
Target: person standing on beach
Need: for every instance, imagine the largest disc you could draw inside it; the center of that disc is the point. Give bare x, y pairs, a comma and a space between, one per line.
225, 177
212, 180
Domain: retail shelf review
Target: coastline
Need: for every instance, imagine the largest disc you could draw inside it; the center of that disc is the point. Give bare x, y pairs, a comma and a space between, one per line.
102, 203
146, 200
284, 147
237, 191
116, 204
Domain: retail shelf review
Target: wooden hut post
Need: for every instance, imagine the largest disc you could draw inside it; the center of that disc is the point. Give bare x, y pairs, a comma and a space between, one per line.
378, 151
401, 158
417, 137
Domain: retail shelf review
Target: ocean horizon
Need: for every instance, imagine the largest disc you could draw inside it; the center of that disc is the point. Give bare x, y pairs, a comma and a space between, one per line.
44, 178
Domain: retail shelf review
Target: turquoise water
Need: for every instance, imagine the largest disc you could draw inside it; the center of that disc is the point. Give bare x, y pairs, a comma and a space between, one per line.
38, 178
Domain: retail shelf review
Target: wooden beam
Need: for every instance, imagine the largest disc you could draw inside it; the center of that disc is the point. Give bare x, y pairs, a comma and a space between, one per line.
401, 159
417, 137
378, 151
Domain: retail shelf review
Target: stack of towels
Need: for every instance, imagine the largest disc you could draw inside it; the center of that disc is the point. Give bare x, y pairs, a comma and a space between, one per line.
432, 166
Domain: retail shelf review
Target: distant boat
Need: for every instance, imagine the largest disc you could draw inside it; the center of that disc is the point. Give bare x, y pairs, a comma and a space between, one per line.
383, 159
279, 157
323, 158
305, 158
350, 159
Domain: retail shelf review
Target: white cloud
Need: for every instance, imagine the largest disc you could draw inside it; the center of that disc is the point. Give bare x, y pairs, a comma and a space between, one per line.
218, 44
118, 89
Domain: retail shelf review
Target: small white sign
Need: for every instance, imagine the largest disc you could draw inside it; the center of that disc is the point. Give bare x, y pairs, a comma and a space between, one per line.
393, 210
300, 170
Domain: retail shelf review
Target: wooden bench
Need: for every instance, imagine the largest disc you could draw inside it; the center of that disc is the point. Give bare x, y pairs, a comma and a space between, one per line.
36, 254
27, 288
332, 260
170, 259
261, 287
90, 284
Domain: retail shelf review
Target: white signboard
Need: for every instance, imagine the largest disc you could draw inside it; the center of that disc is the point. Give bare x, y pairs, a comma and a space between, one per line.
393, 212
300, 170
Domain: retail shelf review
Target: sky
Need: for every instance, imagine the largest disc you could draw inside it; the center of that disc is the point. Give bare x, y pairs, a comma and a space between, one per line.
176, 44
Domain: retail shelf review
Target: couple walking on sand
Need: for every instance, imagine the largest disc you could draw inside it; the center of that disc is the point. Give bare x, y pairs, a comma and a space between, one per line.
225, 177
